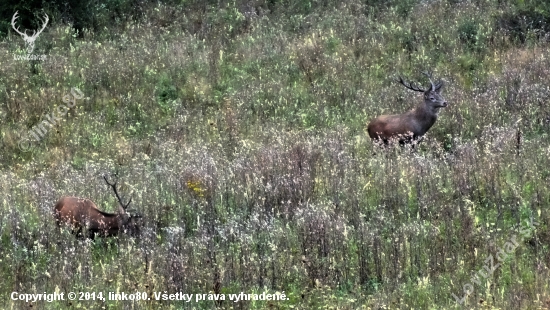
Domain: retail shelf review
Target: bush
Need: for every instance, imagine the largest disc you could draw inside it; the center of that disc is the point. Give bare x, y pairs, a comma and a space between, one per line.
518, 25
467, 33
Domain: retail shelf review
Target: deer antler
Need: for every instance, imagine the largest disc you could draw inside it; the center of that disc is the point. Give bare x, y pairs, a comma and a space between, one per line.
436, 85
113, 186
34, 33
13, 24
429, 75
411, 85
45, 22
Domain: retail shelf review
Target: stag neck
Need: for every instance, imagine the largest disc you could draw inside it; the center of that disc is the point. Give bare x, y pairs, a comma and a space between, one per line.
426, 112
430, 108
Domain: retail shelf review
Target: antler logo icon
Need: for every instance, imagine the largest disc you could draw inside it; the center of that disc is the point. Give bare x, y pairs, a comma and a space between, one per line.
29, 40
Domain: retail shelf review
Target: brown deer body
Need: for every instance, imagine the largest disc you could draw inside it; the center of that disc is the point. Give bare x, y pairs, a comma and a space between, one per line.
412, 125
82, 214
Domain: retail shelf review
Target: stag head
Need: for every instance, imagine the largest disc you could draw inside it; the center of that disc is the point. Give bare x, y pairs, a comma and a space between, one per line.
29, 40
128, 219
432, 93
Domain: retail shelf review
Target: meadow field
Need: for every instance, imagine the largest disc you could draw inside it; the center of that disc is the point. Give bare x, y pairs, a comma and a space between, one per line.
239, 130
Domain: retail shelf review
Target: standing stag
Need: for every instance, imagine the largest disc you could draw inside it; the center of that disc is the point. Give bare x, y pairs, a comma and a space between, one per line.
411, 126
82, 214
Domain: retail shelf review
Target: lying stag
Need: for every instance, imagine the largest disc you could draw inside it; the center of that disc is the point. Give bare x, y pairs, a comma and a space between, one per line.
411, 126
82, 214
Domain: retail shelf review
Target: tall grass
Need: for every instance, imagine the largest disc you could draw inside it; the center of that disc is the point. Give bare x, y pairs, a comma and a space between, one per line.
242, 139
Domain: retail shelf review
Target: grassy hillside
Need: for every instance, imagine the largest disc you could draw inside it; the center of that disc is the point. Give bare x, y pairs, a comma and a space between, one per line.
239, 129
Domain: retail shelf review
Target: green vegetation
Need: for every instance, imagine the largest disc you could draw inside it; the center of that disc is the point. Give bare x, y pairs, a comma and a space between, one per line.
240, 130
